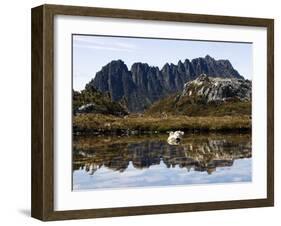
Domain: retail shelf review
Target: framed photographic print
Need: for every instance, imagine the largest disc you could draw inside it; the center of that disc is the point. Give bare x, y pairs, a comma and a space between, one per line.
141, 112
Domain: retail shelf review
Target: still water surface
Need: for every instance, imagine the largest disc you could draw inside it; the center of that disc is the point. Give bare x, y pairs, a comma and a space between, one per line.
138, 161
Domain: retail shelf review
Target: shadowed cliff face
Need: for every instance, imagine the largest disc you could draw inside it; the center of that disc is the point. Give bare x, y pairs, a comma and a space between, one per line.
200, 152
143, 85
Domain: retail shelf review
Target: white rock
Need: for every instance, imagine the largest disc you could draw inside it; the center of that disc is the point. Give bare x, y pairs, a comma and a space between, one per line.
175, 137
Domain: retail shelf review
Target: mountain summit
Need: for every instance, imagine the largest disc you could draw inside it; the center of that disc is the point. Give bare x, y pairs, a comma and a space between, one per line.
143, 85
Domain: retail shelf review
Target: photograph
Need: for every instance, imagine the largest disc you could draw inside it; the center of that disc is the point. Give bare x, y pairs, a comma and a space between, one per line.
153, 112
138, 112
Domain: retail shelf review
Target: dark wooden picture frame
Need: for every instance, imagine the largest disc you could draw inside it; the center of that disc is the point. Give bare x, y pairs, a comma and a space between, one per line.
42, 203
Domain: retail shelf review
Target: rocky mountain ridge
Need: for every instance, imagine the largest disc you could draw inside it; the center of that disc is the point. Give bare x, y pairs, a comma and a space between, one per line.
143, 85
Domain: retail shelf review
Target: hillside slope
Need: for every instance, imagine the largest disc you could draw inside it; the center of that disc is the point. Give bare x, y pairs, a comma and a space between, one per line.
93, 101
208, 96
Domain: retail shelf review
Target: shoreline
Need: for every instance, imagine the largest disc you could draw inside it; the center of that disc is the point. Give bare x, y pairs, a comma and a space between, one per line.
149, 133
95, 124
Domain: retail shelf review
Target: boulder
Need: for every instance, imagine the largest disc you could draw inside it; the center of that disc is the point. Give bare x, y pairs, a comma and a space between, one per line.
175, 137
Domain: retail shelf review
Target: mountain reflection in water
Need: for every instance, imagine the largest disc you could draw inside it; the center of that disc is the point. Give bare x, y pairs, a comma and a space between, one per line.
133, 161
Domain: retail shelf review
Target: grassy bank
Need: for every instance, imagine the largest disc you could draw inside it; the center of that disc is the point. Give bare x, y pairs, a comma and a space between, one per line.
199, 107
97, 123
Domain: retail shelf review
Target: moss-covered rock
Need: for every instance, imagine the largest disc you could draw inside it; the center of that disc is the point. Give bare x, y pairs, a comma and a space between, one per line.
92, 101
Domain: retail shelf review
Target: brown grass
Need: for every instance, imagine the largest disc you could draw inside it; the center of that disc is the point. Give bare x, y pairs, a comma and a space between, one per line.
104, 123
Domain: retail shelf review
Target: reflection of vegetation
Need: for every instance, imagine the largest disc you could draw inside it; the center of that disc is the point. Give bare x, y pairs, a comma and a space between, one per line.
98, 123
200, 152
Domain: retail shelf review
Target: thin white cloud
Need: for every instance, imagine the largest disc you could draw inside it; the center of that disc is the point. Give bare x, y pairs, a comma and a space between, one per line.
113, 45
100, 47
87, 40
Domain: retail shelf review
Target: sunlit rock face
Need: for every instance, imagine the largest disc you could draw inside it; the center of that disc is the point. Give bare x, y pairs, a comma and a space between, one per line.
209, 89
203, 154
208, 96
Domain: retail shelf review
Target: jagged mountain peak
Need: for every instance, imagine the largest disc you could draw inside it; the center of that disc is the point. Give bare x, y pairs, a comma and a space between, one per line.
180, 62
144, 84
114, 62
166, 66
139, 66
208, 57
114, 65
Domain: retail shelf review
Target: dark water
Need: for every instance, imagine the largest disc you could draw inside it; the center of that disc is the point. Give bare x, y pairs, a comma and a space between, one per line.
138, 161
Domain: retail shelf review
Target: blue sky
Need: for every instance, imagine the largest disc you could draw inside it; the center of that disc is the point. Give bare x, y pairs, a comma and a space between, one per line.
90, 53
